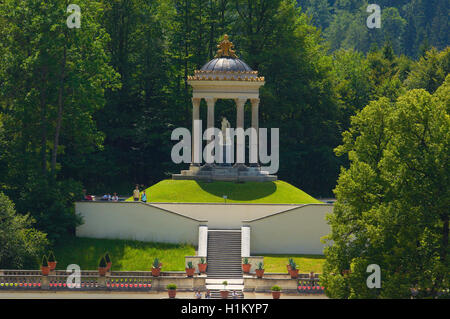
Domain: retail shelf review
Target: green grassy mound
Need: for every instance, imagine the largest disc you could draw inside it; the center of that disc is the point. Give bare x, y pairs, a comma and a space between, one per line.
279, 192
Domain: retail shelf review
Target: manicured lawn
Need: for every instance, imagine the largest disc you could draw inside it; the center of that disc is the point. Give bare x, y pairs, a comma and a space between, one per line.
305, 263
125, 254
279, 192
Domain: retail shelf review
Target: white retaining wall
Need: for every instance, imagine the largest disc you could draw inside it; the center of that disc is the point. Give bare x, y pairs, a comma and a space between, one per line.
135, 221
288, 229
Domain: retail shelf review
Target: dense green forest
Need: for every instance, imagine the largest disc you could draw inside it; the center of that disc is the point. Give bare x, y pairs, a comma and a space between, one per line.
94, 107
411, 26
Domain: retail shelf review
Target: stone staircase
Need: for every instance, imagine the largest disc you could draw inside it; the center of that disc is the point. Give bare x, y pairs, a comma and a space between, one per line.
215, 294
224, 254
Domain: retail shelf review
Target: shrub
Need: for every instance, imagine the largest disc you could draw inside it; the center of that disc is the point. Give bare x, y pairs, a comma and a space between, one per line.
156, 263
21, 245
44, 261
260, 266
293, 266
225, 283
202, 260
171, 286
275, 288
107, 258
291, 261
190, 265
51, 257
245, 261
102, 263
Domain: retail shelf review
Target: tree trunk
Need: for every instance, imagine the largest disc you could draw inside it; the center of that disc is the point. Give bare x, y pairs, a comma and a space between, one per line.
445, 220
44, 120
60, 111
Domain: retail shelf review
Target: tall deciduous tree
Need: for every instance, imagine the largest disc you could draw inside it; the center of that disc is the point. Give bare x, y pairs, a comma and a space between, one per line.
53, 81
392, 202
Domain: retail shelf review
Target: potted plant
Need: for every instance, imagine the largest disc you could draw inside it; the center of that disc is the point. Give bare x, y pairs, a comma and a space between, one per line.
246, 266
51, 261
156, 269
294, 270
102, 266
288, 266
260, 270
108, 262
224, 292
190, 269
172, 290
202, 266
44, 266
276, 292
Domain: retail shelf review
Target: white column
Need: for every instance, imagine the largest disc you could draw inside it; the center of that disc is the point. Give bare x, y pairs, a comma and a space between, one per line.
245, 241
210, 102
196, 148
202, 241
254, 137
240, 141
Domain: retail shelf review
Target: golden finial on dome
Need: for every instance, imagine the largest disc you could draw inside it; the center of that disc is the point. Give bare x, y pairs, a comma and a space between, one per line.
225, 49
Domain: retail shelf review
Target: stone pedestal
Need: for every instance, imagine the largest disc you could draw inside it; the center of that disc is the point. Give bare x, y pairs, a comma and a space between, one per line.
45, 283
237, 173
101, 281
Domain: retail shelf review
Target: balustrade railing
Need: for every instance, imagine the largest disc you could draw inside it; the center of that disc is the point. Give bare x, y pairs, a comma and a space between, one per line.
89, 280
310, 286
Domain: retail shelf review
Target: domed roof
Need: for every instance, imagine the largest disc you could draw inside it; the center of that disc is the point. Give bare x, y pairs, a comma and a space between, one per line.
226, 64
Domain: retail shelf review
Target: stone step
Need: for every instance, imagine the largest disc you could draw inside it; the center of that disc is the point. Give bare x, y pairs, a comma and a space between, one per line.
215, 294
224, 254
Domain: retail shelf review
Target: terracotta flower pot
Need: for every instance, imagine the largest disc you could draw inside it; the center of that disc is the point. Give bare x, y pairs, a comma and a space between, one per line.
202, 268
294, 273
102, 271
52, 265
224, 294
246, 268
156, 272
288, 268
276, 294
190, 272
108, 266
172, 293
259, 273
45, 270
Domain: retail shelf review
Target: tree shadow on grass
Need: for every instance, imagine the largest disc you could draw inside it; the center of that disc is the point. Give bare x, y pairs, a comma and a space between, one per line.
239, 191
